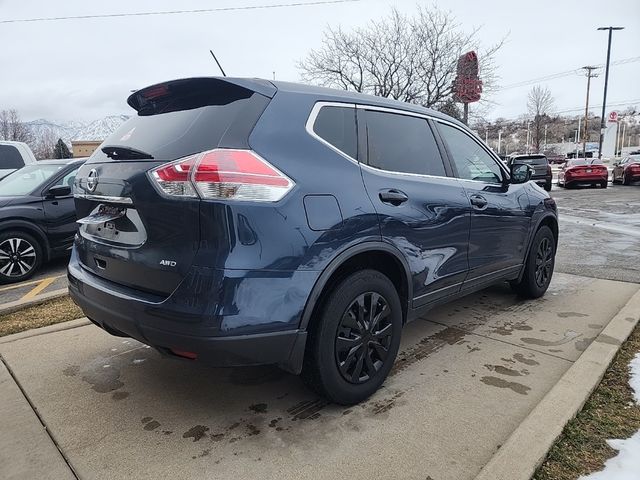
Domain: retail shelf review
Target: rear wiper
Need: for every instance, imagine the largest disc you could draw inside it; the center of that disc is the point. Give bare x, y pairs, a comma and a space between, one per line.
117, 152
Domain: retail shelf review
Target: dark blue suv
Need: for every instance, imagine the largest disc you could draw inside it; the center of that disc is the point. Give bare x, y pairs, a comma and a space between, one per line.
243, 222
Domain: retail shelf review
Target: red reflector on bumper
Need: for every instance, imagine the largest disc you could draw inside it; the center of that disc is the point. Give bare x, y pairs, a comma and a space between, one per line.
184, 354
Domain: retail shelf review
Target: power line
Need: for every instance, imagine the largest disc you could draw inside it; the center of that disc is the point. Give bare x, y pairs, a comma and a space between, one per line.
566, 73
179, 12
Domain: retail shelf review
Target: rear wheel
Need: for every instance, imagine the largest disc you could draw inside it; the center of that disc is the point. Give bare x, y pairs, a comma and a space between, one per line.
354, 339
604, 184
538, 266
547, 186
20, 256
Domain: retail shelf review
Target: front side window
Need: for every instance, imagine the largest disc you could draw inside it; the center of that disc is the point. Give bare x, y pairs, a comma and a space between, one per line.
402, 143
337, 126
471, 160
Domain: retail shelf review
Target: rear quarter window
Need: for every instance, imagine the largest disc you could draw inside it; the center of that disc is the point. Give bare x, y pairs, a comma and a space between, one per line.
337, 126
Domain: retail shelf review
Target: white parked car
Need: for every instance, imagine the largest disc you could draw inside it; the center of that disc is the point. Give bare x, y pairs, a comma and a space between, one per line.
14, 155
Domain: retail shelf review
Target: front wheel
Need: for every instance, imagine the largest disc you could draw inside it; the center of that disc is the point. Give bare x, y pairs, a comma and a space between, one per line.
20, 256
539, 265
625, 179
354, 339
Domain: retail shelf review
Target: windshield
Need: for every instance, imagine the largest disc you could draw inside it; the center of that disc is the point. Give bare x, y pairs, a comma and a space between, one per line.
27, 179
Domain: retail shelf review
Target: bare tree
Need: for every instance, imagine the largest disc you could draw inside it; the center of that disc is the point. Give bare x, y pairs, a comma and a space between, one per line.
43, 145
539, 104
12, 128
412, 59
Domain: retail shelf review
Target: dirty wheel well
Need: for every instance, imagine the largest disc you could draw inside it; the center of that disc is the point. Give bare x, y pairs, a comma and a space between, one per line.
553, 226
382, 261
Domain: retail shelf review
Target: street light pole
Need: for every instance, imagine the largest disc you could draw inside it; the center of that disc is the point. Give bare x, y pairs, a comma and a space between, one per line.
585, 137
606, 82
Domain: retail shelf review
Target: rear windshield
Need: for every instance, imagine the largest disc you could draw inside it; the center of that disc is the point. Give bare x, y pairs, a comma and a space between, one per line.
582, 161
183, 125
530, 160
10, 157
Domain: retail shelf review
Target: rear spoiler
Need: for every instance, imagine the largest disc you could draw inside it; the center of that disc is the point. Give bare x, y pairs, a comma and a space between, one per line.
199, 91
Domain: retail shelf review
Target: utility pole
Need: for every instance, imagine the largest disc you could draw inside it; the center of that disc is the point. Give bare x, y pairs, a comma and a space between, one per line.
499, 140
606, 82
585, 137
545, 138
528, 135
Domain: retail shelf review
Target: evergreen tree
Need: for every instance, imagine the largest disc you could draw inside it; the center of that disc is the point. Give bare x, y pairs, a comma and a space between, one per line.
61, 150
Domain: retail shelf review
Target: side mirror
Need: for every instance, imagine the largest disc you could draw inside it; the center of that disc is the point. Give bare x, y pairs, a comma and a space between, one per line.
59, 191
521, 173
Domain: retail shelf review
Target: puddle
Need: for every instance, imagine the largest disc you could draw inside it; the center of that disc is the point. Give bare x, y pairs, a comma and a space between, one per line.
501, 383
571, 314
500, 370
569, 336
522, 359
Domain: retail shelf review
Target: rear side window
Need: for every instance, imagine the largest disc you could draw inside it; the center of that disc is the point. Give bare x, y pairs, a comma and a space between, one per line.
10, 157
401, 143
182, 121
337, 126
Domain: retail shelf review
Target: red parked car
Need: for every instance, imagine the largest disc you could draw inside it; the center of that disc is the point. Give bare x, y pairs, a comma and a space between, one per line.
627, 170
581, 171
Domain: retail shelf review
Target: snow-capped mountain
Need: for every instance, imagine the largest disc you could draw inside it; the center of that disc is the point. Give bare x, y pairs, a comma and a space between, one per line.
68, 131
100, 129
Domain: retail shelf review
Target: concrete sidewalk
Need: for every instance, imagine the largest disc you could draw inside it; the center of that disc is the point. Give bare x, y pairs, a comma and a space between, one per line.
466, 377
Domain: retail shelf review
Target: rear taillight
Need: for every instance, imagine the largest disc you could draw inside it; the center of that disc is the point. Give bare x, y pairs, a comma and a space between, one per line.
223, 174
174, 178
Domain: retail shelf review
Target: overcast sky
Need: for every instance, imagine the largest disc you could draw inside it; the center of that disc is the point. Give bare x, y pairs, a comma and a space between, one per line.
84, 69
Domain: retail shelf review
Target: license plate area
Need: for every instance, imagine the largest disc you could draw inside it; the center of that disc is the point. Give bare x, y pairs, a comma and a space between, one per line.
114, 226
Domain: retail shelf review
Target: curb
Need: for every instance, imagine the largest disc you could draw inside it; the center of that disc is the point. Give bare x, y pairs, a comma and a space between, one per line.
80, 322
20, 304
527, 447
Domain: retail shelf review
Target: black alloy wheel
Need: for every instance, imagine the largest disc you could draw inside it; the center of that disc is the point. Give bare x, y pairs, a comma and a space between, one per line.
544, 262
363, 338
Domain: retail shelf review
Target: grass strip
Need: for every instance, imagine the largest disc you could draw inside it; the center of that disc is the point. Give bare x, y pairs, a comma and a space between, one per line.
57, 310
609, 413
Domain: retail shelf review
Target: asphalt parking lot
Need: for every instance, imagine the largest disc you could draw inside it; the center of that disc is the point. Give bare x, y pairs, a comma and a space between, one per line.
467, 375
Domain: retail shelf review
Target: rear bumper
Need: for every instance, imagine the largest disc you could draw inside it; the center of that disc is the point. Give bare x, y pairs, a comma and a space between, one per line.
586, 179
190, 324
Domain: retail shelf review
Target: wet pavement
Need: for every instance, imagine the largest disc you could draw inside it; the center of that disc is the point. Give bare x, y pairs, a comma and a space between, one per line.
600, 232
467, 374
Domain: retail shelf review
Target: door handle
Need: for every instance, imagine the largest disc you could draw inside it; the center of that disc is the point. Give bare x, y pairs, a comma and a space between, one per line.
392, 196
478, 202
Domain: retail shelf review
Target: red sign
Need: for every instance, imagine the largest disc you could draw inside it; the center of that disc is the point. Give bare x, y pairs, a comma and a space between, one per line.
613, 116
467, 86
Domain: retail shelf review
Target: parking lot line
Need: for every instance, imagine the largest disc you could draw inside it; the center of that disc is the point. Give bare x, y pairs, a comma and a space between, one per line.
44, 283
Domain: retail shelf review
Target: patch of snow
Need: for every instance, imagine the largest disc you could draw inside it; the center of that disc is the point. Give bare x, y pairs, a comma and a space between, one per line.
625, 465
635, 378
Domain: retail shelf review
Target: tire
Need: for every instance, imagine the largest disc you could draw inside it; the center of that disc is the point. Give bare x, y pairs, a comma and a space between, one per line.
604, 184
336, 368
547, 186
625, 179
20, 256
534, 282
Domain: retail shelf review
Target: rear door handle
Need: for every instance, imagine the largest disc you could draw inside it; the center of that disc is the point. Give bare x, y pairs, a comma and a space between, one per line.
393, 196
478, 202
